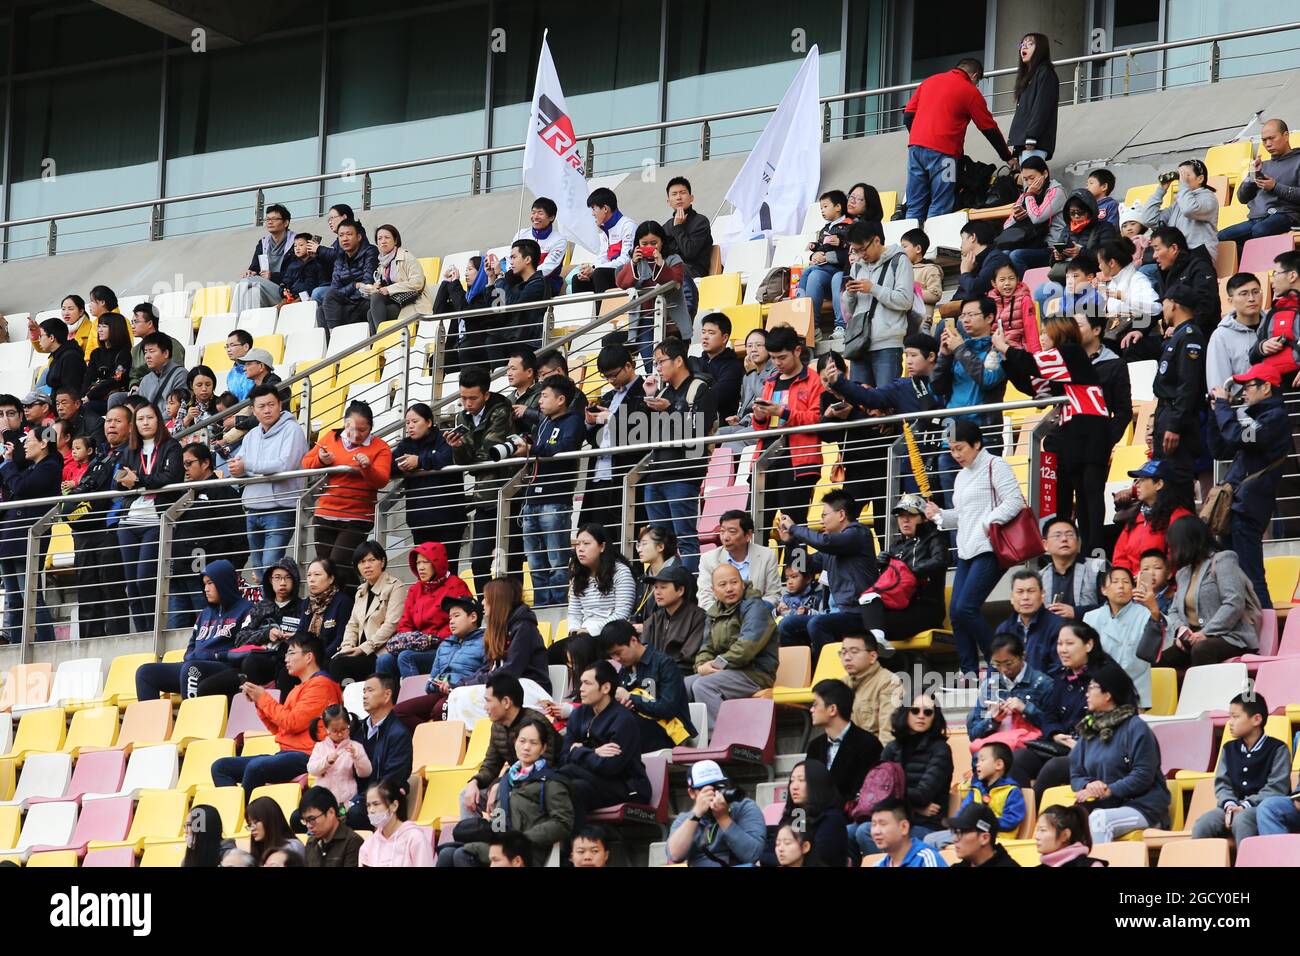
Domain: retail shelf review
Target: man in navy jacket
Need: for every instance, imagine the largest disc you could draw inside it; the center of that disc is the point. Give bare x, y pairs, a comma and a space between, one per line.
601, 757
651, 686
386, 740
354, 266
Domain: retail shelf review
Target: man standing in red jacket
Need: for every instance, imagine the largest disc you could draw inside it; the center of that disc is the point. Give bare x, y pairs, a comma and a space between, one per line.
936, 117
290, 721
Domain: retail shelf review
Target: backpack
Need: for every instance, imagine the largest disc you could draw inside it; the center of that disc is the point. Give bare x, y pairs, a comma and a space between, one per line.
1004, 190
775, 285
896, 586
882, 781
973, 182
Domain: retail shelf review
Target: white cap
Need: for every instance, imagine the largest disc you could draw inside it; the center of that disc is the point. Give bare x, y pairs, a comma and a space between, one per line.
704, 774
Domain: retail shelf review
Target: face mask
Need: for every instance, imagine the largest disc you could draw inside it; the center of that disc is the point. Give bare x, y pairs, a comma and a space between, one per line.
379, 820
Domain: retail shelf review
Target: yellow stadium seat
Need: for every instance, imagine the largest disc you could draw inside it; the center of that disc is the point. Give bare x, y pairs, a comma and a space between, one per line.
544, 628
828, 668
1024, 852
273, 344
1164, 691
11, 824
169, 854
175, 656
561, 630
119, 685
1126, 458
937, 640
1231, 215
477, 748
57, 858
1282, 572
1229, 159
60, 554
39, 731
210, 300
744, 319
889, 203
259, 745
1062, 796
228, 802
215, 357
199, 718
1137, 195
287, 795
719, 292
200, 755
392, 335
441, 796
432, 266
93, 729
8, 779
322, 388
159, 818
438, 743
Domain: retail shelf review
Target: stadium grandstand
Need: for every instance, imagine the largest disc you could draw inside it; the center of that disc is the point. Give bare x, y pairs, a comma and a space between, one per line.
355, 513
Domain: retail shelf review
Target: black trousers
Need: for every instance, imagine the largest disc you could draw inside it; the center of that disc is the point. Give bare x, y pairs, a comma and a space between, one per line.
338, 540
866, 473
902, 625
602, 280
602, 504
483, 532
1043, 772
1081, 493
591, 792
787, 492
101, 588
340, 309
344, 669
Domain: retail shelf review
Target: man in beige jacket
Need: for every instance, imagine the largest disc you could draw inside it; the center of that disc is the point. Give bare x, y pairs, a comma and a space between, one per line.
877, 692
757, 565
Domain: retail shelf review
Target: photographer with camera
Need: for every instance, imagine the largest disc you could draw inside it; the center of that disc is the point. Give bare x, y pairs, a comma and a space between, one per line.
723, 828
483, 431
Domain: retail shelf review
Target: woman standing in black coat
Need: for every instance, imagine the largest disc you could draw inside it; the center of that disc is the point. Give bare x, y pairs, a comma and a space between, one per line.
466, 339
31, 471
1033, 128
920, 744
1083, 441
434, 502
813, 803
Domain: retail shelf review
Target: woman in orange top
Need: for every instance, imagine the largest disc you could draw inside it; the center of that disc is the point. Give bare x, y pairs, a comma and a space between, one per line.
345, 512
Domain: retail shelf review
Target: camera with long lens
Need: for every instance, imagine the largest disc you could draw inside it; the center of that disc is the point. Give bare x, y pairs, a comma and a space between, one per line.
502, 450
732, 793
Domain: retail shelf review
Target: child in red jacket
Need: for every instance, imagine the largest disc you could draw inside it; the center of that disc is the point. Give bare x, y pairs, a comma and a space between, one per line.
1017, 316
77, 463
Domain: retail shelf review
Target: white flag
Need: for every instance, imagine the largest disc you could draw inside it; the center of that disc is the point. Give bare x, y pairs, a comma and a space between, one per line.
552, 161
779, 180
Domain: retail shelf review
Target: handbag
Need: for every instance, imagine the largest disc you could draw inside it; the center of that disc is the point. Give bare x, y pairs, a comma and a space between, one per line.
1150, 644
1017, 541
1216, 510
1018, 235
1047, 748
410, 641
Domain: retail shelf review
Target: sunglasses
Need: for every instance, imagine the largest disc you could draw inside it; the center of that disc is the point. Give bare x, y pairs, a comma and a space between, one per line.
921, 711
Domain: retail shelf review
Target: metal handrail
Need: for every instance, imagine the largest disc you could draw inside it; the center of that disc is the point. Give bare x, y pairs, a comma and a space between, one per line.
489, 151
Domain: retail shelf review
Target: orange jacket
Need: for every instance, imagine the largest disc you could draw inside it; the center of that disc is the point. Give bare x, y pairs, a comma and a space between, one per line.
802, 406
291, 721
351, 497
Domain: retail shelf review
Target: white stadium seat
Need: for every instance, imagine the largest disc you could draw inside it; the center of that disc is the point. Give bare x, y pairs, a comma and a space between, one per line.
296, 317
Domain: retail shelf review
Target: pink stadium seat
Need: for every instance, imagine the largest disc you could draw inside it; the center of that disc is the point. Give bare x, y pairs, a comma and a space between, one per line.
655, 812
1257, 255
117, 856
722, 468
1280, 850
1185, 744
243, 717
1035, 277
1288, 645
716, 503
100, 820
412, 687
745, 732
96, 771
772, 813
1278, 682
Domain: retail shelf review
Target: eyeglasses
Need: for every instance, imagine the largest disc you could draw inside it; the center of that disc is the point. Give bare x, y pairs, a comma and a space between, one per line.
1061, 535
1078, 214
921, 711
311, 820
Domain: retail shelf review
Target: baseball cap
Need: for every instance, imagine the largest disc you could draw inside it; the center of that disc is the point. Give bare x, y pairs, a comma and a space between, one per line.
35, 396
973, 816
1183, 296
673, 574
1260, 372
1152, 469
911, 504
259, 355
704, 774
467, 603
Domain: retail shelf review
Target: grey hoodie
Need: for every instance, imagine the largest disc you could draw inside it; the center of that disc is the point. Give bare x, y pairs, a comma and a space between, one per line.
894, 290
266, 452
1194, 211
156, 386
1229, 351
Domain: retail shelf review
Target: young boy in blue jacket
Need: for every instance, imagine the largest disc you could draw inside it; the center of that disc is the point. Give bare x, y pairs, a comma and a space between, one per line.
993, 787
211, 640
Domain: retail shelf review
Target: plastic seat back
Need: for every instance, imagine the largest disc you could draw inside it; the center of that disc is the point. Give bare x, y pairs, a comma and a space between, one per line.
200, 755
795, 667
98, 771
199, 718
438, 743
91, 728
1280, 850
24, 685
151, 768
48, 824
113, 857
145, 722
229, 804
1185, 744
119, 685
80, 679
243, 717
287, 795
1194, 853
412, 687
39, 731
1210, 687
1278, 682
1121, 853
44, 775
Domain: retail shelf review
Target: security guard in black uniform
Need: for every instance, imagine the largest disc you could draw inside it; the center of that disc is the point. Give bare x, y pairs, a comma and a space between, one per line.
1179, 387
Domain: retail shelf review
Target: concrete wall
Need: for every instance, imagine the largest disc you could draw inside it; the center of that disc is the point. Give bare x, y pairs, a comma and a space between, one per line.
1064, 21
1136, 136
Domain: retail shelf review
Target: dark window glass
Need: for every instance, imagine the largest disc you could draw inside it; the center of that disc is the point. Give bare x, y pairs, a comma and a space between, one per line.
59, 34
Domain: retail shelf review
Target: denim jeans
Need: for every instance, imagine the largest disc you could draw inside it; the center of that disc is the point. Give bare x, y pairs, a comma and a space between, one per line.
880, 368
13, 573
1277, 815
837, 288
185, 600
1151, 271
1032, 258
410, 663
318, 296
677, 505
975, 580
139, 547
253, 772
269, 531
815, 284
1026, 153
1273, 225
547, 543
931, 183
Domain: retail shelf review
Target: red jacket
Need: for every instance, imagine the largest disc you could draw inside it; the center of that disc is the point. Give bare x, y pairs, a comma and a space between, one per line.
1138, 538
352, 496
291, 721
942, 106
423, 610
802, 406
1018, 318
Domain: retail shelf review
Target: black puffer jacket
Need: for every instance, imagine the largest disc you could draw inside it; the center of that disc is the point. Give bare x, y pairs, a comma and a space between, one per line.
1034, 125
927, 556
927, 763
266, 614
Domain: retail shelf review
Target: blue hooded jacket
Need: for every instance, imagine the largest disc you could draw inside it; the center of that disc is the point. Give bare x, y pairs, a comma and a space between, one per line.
215, 630
457, 657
